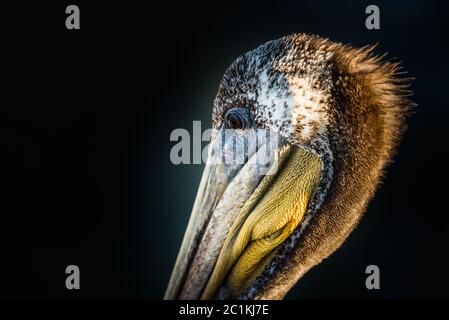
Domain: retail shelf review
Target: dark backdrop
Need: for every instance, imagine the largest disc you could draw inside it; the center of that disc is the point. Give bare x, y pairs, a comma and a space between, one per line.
85, 123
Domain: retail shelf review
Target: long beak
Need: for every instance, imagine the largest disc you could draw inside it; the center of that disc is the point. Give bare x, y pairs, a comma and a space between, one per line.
242, 213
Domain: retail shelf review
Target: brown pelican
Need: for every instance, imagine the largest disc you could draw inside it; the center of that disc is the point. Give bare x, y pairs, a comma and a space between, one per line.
339, 113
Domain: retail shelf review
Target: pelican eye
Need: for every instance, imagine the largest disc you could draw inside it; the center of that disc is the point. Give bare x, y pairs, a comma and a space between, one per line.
235, 120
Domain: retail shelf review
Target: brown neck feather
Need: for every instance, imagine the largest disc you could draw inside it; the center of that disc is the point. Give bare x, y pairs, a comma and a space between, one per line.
367, 122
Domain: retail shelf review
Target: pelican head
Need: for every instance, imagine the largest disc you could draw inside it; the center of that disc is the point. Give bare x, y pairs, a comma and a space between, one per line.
333, 116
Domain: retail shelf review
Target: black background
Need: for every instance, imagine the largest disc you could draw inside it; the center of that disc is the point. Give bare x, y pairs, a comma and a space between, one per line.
85, 122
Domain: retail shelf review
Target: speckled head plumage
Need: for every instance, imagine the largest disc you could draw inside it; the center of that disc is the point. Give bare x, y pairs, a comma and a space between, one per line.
287, 83
343, 104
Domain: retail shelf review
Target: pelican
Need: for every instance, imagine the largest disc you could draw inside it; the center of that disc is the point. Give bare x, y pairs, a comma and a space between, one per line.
337, 113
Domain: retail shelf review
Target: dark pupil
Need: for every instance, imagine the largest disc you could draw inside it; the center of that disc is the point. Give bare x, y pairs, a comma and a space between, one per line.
234, 121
